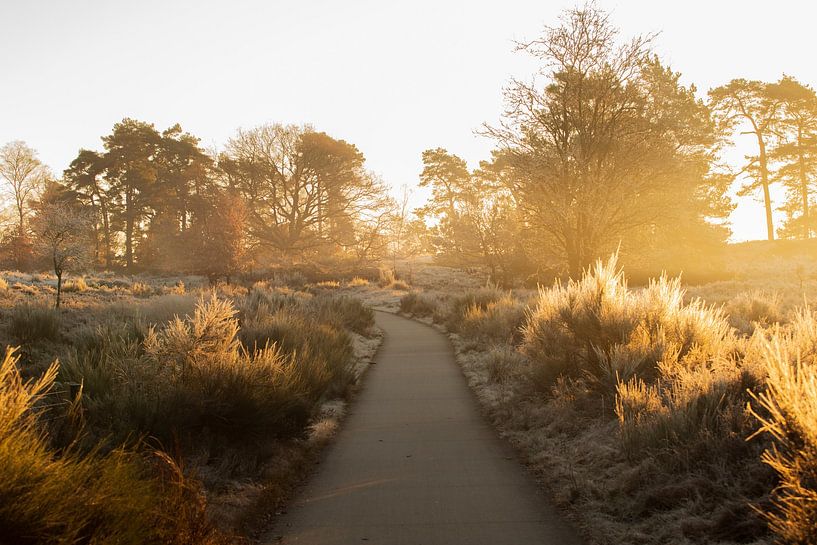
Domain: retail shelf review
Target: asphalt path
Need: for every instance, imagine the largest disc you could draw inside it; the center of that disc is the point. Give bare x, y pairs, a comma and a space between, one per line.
416, 464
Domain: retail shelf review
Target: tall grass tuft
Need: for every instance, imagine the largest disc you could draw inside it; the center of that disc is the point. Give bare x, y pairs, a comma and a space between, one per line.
30, 323
77, 284
787, 411
754, 309
317, 341
495, 321
70, 497
141, 289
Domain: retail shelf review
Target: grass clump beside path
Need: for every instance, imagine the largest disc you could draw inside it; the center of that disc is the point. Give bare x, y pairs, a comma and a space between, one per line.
654, 418
68, 497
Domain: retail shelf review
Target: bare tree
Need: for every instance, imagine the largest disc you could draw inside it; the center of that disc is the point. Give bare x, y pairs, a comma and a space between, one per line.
401, 217
25, 177
61, 234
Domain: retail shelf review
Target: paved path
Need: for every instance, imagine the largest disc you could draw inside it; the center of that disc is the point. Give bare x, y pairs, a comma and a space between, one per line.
415, 464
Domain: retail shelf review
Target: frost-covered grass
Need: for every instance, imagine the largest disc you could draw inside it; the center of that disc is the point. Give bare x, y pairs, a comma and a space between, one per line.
653, 416
233, 381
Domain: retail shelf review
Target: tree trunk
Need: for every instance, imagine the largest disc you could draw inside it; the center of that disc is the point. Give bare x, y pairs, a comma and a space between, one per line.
106, 232
806, 218
803, 185
22, 226
59, 288
764, 181
129, 231
574, 259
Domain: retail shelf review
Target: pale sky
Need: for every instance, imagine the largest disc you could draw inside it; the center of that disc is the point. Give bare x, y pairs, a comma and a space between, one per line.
394, 78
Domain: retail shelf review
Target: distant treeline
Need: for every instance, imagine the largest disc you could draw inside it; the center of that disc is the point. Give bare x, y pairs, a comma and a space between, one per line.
158, 201
602, 149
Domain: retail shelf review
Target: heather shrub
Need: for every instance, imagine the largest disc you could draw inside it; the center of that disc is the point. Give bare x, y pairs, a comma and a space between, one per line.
192, 379
755, 309
596, 329
29, 323
343, 312
418, 304
495, 322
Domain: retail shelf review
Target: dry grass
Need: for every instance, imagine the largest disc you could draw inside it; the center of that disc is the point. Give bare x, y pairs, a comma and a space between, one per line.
69, 497
31, 323
787, 411
141, 289
75, 285
162, 369
357, 282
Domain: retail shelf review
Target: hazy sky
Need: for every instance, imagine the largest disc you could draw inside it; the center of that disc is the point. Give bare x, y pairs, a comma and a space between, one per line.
394, 78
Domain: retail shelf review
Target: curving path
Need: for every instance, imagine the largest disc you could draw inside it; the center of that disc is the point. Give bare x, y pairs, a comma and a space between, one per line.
415, 464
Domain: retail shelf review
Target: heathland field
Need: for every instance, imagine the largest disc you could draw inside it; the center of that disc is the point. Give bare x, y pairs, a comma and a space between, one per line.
657, 413
158, 410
